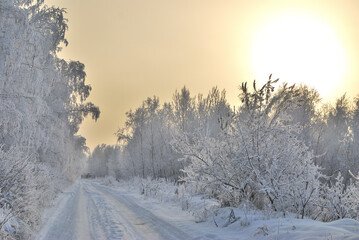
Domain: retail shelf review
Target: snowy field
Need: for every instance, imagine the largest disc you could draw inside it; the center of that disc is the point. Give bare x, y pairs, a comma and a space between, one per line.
89, 210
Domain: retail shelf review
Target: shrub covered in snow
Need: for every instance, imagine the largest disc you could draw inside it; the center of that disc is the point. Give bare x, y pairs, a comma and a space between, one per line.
279, 150
338, 201
258, 158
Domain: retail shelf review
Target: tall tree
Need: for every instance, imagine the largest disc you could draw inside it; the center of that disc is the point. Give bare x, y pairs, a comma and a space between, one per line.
42, 104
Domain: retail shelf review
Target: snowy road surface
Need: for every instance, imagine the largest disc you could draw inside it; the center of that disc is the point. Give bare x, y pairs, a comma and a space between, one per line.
88, 210
91, 211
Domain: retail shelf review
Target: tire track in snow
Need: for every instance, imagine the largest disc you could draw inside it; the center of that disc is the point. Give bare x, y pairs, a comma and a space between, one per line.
82, 223
103, 219
70, 220
139, 219
91, 211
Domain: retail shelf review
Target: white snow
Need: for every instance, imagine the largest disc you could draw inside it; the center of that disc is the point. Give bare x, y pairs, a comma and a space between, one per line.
11, 224
89, 210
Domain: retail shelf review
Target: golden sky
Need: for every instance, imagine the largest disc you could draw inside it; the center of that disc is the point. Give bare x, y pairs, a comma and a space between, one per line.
134, 49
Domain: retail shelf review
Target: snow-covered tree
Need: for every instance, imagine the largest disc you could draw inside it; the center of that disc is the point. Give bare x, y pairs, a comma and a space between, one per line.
42, 104
104, 161
339, 200
258, 157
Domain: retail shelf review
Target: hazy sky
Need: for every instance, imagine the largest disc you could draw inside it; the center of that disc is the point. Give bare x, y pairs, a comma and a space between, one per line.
134, 49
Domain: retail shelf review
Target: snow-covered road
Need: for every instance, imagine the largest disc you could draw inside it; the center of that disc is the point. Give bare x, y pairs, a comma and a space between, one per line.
91, 211
88, 210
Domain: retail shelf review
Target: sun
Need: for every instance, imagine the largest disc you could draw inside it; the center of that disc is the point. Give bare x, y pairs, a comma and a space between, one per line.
300, 49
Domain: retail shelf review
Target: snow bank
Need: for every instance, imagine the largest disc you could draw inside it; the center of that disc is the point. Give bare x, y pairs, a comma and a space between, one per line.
169, 192
206, 220
258, 225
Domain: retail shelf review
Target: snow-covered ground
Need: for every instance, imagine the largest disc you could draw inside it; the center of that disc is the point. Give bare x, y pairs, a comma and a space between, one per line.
89, 210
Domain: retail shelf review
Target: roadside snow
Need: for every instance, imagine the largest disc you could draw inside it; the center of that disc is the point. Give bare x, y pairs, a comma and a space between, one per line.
90, 210
248, 224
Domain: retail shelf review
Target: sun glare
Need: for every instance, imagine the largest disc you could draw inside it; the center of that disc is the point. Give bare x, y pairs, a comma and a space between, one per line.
300, 49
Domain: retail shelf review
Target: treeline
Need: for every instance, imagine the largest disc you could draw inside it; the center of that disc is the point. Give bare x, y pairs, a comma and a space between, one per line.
146, 142
282, 148
42, 104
